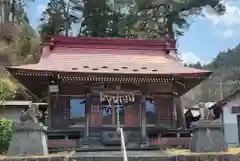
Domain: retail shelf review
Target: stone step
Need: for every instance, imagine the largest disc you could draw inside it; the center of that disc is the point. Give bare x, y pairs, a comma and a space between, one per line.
101, 148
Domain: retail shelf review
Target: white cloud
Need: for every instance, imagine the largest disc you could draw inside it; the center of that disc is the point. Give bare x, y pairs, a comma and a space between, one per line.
230, 18
191, 58
227, 34
41, 7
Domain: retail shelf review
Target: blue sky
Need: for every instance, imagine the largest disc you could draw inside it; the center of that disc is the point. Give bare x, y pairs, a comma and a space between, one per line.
206, 37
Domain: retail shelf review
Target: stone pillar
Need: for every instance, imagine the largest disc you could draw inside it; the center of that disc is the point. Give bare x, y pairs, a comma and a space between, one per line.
207, 137
29, 139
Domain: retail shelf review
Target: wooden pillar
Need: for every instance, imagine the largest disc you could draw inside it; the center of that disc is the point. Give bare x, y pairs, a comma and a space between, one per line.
87, 120
174, 106
174, 113
49, 110
51, 105
143, 117
113, 114
180, 113
87, 112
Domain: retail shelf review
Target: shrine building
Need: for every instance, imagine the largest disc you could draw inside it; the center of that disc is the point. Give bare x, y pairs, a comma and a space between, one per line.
91, 84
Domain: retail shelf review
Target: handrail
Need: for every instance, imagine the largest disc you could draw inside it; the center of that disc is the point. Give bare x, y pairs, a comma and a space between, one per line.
123, 147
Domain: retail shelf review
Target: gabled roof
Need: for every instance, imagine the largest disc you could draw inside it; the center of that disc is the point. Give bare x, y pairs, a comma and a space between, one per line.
110, 56
89, 60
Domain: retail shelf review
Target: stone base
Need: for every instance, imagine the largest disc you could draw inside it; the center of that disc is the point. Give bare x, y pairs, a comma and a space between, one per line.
207, 137
29, 139
85, 142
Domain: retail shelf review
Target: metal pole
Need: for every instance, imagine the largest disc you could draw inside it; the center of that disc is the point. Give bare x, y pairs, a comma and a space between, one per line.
125, 158
120, 130
117, 110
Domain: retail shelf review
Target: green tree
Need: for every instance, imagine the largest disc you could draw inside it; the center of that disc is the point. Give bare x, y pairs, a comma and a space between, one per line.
197, 65
54, 18
19, 44
13, 10
158, 18
99, 20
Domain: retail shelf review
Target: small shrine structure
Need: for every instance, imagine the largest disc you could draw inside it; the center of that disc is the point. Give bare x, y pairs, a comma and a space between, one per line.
91, 84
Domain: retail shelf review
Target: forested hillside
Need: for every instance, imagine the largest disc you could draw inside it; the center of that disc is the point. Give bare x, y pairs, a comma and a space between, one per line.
226, 76
19, 44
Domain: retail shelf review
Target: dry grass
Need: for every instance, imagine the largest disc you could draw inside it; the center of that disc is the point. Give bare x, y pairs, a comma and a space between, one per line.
186, 152
60, 154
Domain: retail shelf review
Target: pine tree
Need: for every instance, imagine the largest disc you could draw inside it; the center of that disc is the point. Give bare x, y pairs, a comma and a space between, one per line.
99, 20
13, 10
54, 18
155, 19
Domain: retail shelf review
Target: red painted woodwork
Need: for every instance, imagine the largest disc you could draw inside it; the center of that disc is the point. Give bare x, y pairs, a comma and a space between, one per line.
73, 54
132, 114
95, 116
62, 143
164, 105
112, 43
132, 117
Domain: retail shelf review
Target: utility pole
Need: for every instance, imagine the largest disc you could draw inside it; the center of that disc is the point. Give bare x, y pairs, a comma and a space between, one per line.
221, 95
221, 86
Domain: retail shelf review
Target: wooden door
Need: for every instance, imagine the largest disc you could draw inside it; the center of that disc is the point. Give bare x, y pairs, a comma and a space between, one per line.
59, 113
132, 115
95, 116
95, 111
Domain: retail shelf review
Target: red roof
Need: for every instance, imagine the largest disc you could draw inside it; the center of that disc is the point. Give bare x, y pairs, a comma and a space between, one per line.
96, 55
